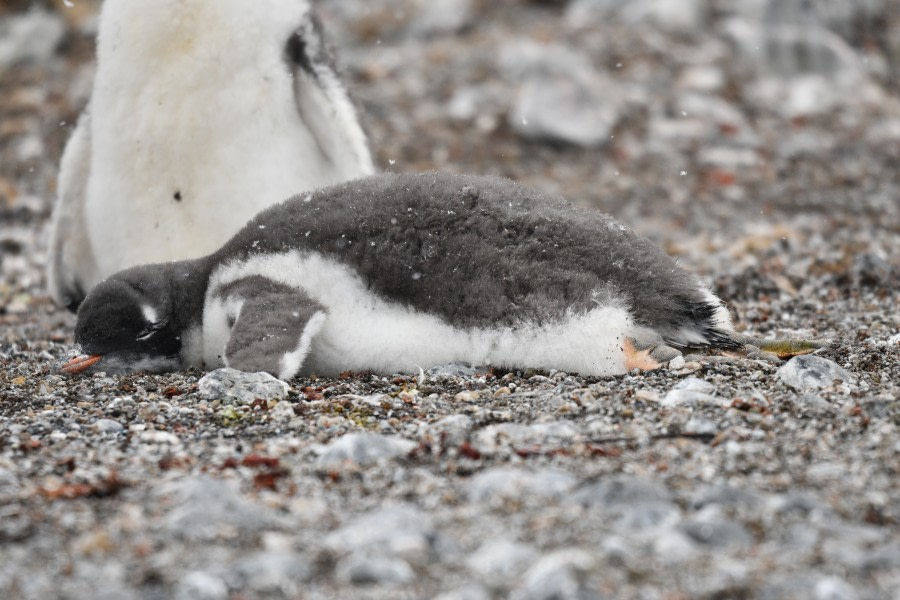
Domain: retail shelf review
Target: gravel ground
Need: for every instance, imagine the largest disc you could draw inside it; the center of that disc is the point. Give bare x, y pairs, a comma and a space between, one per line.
760, 146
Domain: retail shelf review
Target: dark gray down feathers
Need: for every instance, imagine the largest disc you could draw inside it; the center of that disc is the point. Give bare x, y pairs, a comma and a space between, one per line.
479, 251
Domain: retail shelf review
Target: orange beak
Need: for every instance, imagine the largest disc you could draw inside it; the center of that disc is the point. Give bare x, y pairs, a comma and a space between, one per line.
76, 365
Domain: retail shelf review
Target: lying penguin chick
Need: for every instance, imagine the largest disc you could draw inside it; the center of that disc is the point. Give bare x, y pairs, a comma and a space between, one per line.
393, 272
203, 113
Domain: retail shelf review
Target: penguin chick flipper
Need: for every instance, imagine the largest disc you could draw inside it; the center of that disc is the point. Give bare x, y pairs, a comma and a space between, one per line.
274, 330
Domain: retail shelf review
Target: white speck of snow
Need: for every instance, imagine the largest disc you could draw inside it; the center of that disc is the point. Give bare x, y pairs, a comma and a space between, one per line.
262, 226
372, 244
307, 233
307, 198
618, 65
393, 221
391, 161
416, 276
683, 173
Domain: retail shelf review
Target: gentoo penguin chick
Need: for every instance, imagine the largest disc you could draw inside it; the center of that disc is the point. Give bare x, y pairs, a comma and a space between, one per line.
203, 113
395, 272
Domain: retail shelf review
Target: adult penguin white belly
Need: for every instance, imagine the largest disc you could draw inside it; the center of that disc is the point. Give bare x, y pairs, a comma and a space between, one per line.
202, 114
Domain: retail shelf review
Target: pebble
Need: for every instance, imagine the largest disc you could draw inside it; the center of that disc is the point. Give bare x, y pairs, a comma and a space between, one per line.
279, 574
684, 16
709, 528
200, 585
813, 372
362, 449
692, 391
231, 386
467, 591
204, 508
700, 426
32, 36
400, 530
501, 562
515, 483
620, 490
108, 426
559, 574
442, 16
360, 569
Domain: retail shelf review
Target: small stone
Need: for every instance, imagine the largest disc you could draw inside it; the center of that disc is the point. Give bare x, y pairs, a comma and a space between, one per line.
709, 528
560, 574
700, 426
501, 562
442, 16
231, 386
833, 588
278, 574
621, 490
813, 372
200, 585
360, 569
467, 591
283, 411
450, 370
32, 36
402, 530
676, 363
203, 508
108, 426
513, 483
363, 449
467, 396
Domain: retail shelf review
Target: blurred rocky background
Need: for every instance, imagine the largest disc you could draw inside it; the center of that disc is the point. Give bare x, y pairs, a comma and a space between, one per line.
757, 140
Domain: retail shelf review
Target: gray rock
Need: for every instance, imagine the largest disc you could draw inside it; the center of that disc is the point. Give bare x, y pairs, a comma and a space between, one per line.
451, 430
108, 426
492, 438
833, 588
32, 36
685, 16
200, 585
360, 569
274, 573
709, 528
203, 508
501, 562
622, 490
231, 386
467, 591
560, 574
700, 426
561, 109
813, 372
442, 16
508, 483
646, 516
362, 449
402, 530
692, 391
450, 370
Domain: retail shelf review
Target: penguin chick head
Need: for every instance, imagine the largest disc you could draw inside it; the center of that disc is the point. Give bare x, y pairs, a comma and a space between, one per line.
125, 324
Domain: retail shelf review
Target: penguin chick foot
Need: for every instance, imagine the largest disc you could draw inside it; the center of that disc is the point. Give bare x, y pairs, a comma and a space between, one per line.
647, 357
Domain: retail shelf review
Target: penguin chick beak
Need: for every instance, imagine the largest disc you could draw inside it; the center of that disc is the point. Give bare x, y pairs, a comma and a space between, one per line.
79, 364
